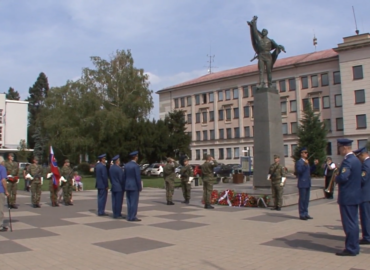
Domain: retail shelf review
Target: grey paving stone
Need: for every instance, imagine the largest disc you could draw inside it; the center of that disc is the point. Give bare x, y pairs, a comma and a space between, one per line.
12, 247
272, 218
179, 216
46, 221
223, 208
111, 225
178, 225
132, 245
27, 234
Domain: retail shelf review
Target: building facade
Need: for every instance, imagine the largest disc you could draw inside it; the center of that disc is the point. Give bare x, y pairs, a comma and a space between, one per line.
219, 106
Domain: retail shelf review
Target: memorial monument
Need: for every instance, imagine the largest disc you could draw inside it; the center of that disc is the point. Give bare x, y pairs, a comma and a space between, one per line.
268, 135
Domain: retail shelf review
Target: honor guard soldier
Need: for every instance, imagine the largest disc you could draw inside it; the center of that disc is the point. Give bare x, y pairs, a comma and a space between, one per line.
133, 186
277, 172
101, 184
67, 173
12, 169
169, 178
116, 180
302, 168
53, 190
35, 175
349, 186
185, 173
208, 180
363, 155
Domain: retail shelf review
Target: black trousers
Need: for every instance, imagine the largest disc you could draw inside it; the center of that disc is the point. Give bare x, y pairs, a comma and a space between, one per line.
329, 195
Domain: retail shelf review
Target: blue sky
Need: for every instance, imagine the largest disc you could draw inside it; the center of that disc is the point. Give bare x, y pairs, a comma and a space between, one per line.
169, 39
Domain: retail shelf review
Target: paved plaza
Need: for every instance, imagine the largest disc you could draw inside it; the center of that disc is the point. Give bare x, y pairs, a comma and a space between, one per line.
174, 237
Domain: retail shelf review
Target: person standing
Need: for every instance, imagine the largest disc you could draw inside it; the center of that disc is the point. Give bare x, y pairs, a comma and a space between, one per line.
328, 172
169, 178
185, 173
304, 184
26, 181
3, 193
35, 171
208, 180
116, 180
66, 172
101, 184
133, 186
277, 172
363, 155
53, 190
349, 186
12, 169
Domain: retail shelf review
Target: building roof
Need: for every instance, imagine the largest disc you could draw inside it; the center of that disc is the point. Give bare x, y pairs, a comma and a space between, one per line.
280, 63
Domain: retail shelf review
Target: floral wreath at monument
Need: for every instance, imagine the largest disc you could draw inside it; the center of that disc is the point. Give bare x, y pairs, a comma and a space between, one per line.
232, 199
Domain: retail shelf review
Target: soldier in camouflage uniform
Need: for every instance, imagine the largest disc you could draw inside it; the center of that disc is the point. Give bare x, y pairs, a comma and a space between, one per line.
13, 179
35, 171
53, 191
276, 173
208, 180
169, 178
67, 187
185, 172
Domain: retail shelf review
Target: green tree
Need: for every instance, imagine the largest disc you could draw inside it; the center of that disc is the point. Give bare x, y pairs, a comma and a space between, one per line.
312, 134
22, 154
12, 94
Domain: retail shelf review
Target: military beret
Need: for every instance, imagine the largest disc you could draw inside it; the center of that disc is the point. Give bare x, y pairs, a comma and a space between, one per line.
276, 156
102, 156
135, 153
360, 151
344, 142
66, 161
303, 149
36, 158
115, 158
11, 154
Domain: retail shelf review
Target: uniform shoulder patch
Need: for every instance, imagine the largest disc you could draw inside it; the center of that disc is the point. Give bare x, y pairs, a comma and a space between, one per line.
344, 170
363, 174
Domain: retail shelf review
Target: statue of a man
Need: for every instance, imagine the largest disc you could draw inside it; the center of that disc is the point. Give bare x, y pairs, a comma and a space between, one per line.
263, 46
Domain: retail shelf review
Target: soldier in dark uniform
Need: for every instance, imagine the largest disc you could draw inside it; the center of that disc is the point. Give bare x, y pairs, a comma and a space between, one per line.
363, 155
276, 173
12, 169
67, 186
208, 180
185, 172
302, 168
169, 178
349, 185
35, 175
116, 180
101, 184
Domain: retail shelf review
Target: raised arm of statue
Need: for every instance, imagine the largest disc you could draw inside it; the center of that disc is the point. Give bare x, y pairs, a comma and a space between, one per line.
255, 34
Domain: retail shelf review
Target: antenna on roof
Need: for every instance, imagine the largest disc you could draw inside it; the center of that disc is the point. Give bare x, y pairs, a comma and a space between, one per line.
211, 60
354, 16
314, 40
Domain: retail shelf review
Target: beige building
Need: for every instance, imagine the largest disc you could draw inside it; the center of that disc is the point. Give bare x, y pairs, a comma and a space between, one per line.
219, 106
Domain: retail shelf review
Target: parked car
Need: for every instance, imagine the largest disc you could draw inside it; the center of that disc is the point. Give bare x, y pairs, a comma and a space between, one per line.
157, 170
143, 167
177, 170
197, 170
217, 169
227, 169
147, 170
22, 165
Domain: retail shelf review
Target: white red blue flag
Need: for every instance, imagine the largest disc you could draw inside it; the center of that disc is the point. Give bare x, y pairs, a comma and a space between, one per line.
54, 169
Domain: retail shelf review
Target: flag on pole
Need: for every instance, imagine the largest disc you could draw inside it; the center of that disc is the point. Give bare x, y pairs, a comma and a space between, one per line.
54, 169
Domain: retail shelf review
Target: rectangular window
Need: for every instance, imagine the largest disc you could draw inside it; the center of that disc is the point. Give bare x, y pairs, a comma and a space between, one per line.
228, 114
176, 100
204, 154
245, 91
324, 79
212, 134
211, 116
220, 96
286, 150
197, 100
235, 93
211, 97
221, 153
197, 154
314, 81
254, 89
338, 100
293, 147
236, 152
293, 106
228, 133
205, 135
327, 123
198, 135
188, 101
293, 127
361, 121
246, 111
359, 96
282, 86
197, 118
212, 152
326, 102
236, 113
339, 124
189, 118
304, 81
228, 153
247, 132
236, 132
221, 133
204, 114
305, 103
292, 86
336, 77
220, 115
357, 73
285, 128
274, 85
227, 94
361, 143
182, 101
204, 98
316, 104
283, 107
328, 149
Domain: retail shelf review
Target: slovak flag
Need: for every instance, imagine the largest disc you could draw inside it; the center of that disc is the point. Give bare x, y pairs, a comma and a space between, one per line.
54, 169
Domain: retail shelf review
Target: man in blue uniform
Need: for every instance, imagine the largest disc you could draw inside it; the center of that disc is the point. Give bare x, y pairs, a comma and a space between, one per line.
302, 168
132, 184
101, 184
116, 180
349, 196
363, 155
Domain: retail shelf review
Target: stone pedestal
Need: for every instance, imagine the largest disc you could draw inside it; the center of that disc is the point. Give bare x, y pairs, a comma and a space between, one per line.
268, 134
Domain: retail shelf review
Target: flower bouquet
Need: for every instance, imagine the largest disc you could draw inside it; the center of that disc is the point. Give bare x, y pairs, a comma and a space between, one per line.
239, 199
226, 197
214, 197
251, 202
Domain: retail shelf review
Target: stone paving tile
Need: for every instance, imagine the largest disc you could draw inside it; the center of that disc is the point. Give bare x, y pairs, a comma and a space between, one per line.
178, 216
28, 233
111, 225
272, 218
178, 225
11, 247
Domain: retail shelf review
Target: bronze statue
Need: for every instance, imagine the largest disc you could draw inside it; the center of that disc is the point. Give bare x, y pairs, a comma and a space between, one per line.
263, 46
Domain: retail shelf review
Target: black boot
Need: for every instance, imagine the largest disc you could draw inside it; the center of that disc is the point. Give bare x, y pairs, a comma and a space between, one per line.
208, 206
187, 201
170, 203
